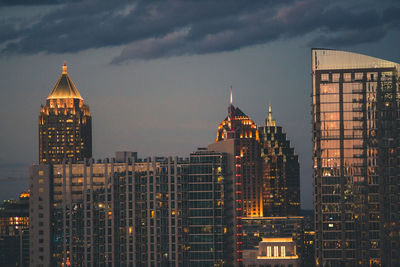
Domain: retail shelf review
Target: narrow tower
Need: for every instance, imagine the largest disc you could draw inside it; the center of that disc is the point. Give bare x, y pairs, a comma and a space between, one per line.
238, 126
281, 171
65, 124
237, 136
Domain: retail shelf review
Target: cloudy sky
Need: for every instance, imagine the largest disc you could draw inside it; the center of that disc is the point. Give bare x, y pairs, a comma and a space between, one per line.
156, 74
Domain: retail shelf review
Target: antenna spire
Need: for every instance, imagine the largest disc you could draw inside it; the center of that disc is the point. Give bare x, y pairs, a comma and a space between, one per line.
64, 68
231, 96
270, 121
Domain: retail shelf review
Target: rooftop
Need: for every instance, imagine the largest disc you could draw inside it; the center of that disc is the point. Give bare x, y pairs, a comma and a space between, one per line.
64, 87
329, 59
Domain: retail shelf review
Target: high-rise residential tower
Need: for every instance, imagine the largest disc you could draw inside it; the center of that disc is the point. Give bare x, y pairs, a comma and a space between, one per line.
356, 151
281, 171
107, 213
65, 124
208, 243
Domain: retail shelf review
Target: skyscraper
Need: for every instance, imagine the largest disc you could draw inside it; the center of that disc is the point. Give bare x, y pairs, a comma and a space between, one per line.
356, 138
239, 127
208, 244
65, 124
237, 135
281, 171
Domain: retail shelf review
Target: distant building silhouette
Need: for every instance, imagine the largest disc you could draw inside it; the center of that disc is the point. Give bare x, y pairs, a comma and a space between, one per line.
123, 156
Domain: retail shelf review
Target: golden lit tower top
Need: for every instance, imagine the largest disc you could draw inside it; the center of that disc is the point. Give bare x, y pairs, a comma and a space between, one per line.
236, 124
64, 87
65, 128
64, 68
270, 121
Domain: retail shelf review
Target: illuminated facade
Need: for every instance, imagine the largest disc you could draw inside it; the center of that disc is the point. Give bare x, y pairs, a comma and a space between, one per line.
273, 252
239, 127
237, 135
103, 214
152, 212
281, 171
356, 105
65, 124
295, 227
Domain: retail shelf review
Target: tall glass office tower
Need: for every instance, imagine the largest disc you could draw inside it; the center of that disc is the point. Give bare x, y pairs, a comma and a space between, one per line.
356, 152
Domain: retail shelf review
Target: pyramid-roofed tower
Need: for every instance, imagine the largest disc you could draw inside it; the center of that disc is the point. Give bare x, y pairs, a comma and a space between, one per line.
65, 124
64, 87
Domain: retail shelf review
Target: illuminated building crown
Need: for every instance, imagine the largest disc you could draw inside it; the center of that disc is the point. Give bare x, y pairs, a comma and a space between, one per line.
236, 125
64, 87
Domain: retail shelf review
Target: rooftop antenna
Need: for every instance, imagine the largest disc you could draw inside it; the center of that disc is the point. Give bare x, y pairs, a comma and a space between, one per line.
231, 96
270, 121
64, 68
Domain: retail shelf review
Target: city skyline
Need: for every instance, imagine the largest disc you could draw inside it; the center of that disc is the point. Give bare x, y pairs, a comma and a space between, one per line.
190, 99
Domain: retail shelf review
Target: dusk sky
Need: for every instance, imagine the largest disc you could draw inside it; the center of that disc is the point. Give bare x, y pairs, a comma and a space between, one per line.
156, 74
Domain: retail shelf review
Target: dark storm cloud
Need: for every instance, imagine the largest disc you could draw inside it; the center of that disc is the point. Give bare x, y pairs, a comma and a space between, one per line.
154, 29
32, 2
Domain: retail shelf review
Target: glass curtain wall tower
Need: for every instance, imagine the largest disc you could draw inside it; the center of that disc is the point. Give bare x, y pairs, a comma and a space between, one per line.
356, 152
206, 209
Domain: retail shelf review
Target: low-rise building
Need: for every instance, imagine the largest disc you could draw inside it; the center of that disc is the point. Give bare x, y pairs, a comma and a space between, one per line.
272, 252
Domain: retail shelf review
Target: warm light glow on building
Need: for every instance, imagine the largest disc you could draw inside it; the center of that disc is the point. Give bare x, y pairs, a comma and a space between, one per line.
64, 114
24, 195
